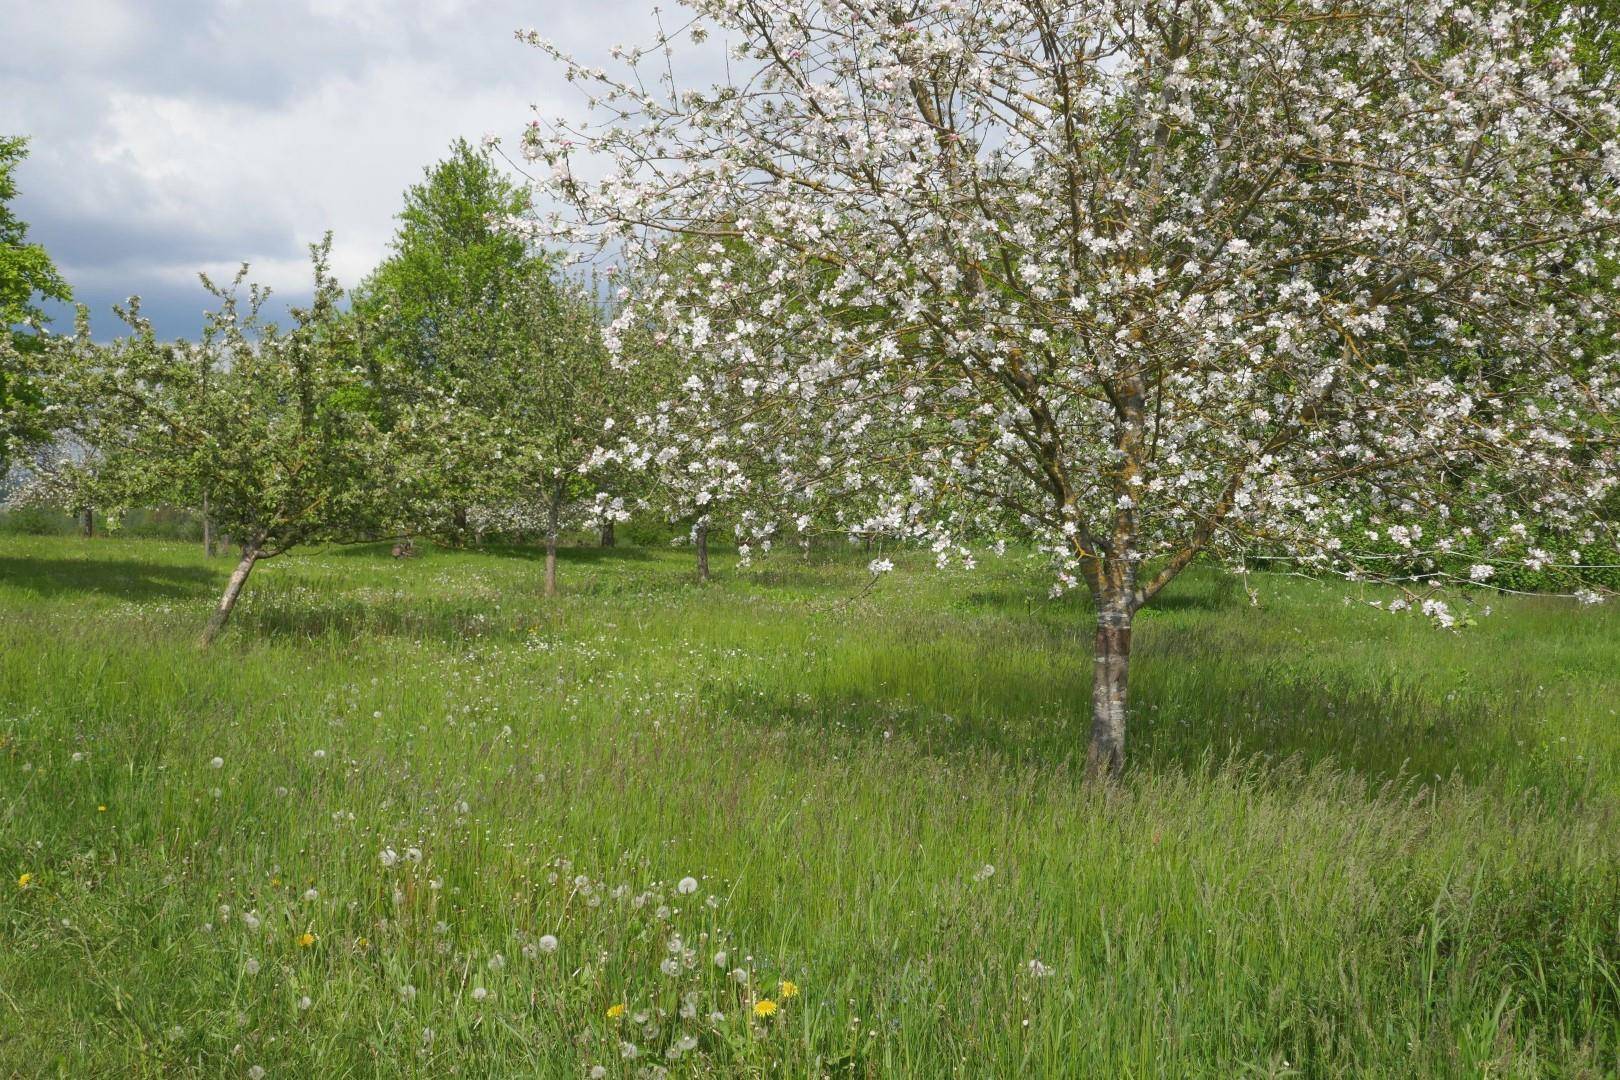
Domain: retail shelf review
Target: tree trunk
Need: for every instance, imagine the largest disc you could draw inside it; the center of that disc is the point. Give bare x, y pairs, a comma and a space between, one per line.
87, 522
233, 589
608, 539
208, 530
702, 539
459, 516
1105, 756
551, 550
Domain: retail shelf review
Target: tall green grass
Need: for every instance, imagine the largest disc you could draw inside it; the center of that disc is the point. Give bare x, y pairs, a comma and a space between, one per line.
1347, 844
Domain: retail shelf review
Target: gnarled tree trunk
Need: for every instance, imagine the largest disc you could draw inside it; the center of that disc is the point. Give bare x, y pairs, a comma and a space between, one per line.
87, 522
233, 589
607, 534
701, 538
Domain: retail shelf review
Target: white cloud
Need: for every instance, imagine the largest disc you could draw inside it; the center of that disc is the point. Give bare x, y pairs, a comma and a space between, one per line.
189, 135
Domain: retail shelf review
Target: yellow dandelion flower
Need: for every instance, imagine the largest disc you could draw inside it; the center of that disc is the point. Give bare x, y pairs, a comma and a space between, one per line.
307, 939
765, 1008
24, 880
788, 989
615, 1011
101, 809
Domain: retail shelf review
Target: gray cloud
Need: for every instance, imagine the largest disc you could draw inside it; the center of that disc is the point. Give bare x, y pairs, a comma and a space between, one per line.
178, 136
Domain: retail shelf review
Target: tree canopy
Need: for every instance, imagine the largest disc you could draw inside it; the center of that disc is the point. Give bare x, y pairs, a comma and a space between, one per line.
467, 310
281, 430
1140, 280
27, 275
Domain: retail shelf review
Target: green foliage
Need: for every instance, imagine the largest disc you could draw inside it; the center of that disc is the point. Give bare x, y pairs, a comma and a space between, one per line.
161, 523
278, 429
37, 521
147, 523
649, 530
1419, 878
511, 352
434, 303
26, 273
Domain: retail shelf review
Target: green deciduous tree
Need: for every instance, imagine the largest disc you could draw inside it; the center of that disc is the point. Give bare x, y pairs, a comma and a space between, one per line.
437, 308
282, 428
26, 275
503, 351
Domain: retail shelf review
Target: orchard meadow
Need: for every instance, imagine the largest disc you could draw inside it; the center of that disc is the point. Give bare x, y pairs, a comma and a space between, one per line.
841, 539
414, 818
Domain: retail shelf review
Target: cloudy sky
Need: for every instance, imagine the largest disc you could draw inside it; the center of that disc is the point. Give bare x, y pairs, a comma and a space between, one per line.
172, 136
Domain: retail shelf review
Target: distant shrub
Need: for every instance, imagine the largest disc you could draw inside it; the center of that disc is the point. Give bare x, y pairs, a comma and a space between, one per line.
162, 523
145, 523
648, 530
36, 521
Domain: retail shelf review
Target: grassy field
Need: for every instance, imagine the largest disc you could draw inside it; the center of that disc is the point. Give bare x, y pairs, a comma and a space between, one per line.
410, 818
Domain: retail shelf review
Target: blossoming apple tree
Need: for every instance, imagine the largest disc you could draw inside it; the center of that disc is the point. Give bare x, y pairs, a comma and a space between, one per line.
688, 437
548, 402
1145, 278
709, 447
280, 429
